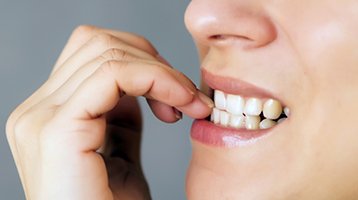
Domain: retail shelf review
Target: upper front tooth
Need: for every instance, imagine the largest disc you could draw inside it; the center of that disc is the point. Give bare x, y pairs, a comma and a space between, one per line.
220, 100
235, 104
253, 107
272, 109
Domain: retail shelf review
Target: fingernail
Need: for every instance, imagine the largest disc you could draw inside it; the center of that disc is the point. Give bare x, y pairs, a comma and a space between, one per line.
178, 114
205, 99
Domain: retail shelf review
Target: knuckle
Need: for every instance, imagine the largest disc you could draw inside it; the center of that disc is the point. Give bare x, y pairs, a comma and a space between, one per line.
25, 127
83, 30
113, 70
20, 127
107, 67
104, 40
115, 54
111, 66
13, 120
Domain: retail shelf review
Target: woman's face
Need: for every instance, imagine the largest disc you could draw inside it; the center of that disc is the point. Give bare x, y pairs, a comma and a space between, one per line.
304, 53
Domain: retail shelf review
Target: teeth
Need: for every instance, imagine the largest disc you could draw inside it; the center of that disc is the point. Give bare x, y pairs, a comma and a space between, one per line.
253, 107
220, 100
216, 116
237, 121
281, 120
272, 109
224, 118
267, 123
252, 122
235, 104
237, 112
286, 111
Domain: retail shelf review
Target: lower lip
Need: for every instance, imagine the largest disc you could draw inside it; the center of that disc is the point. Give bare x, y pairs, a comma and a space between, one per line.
211, 134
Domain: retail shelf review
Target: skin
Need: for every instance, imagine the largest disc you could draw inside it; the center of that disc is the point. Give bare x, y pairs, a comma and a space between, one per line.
85, 123
310, 46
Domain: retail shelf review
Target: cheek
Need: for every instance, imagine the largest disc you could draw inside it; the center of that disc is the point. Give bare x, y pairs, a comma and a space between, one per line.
331, 58
327, 45
324, 36
325, 40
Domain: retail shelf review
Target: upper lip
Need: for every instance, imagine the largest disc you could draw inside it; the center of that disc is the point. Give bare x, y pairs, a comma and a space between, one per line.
234, 86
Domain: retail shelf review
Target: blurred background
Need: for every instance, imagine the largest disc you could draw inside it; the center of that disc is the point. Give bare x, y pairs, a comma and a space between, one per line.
32, 35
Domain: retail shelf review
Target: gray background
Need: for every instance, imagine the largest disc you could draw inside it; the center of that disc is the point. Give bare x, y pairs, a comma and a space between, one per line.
32, 35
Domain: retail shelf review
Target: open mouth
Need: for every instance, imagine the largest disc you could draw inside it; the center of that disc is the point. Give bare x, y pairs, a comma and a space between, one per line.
242, 113
251, 113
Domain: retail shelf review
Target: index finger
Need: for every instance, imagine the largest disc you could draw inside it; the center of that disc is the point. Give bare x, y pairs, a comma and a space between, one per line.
101, 92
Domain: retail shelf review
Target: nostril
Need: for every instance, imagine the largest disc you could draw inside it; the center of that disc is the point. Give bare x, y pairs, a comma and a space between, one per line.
229, 37
217, 37
228, 40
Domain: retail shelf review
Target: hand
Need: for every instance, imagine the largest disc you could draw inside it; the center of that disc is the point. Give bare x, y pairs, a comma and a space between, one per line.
78, 136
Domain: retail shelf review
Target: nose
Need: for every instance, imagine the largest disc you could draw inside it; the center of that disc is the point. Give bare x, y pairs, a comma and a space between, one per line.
229, 22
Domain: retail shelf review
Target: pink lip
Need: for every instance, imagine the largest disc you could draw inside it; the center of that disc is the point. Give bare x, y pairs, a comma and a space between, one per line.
234, 86
215, 135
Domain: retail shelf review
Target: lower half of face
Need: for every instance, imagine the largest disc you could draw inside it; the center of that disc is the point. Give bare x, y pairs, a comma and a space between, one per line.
284, 78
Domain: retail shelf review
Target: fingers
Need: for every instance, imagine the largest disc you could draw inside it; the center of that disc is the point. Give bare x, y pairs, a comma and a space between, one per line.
164, 112
132, 78
100, 93
161, 110
68, 87
198, 108
61, 126
97, 46
86, 44
84, 33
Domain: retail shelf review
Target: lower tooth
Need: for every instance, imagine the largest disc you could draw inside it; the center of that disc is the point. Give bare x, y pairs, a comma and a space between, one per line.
252, 122
240, 121
216, 116
237, 121
281, 120
267, 123
224, 118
